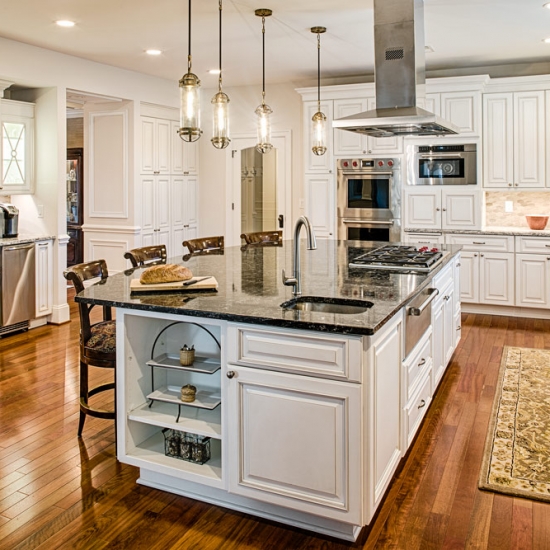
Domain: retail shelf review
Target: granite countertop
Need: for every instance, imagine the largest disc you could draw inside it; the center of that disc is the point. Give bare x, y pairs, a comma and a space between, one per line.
488, 230
251, 291
22, 239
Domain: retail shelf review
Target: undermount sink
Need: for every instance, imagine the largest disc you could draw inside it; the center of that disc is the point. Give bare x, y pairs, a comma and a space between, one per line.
327, 305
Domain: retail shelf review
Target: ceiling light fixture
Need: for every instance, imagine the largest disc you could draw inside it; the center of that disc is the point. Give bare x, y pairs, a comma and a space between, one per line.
214, 71
263, 112
546, 40
65, 23
319, 146
153, 52
547, 5
190, 113
220, 106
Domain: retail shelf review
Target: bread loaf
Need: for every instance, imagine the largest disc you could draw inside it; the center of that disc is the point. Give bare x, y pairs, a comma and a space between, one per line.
168, 273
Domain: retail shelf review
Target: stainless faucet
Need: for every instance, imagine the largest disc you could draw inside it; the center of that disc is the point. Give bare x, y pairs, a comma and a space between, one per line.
295, 280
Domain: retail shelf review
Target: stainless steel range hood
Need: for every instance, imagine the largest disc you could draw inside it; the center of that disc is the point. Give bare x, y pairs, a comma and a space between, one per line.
399, 74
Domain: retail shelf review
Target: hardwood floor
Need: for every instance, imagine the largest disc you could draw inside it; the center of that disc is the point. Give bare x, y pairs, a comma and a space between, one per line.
59, 491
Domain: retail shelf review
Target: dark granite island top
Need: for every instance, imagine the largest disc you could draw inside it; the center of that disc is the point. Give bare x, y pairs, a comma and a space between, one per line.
251, 290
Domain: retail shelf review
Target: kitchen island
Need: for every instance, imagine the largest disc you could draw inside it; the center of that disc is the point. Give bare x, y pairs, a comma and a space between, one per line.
300, 416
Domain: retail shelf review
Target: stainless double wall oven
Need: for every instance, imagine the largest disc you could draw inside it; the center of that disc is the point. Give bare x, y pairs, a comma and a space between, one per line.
369, 199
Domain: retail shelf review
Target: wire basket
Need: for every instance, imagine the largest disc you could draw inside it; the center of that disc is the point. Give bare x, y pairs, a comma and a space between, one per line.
186, 446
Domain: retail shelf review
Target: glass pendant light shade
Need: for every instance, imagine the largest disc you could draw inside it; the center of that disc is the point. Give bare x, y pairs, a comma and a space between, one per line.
319, 133
319, 120
263, 114
220, 121
263, 111
190, 99
190, 113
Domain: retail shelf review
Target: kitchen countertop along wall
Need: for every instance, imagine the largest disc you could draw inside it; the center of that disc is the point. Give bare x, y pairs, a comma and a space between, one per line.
492, 230
22, 239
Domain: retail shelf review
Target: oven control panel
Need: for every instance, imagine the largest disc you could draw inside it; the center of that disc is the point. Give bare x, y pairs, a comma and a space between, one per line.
368, 165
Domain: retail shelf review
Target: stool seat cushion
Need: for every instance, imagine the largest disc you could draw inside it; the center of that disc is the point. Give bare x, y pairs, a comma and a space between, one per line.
103, 339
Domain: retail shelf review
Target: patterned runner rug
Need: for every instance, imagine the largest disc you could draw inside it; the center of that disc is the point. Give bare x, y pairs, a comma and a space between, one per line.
516, 460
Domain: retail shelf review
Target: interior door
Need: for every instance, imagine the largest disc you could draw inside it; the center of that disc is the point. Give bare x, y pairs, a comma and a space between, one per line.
275, 206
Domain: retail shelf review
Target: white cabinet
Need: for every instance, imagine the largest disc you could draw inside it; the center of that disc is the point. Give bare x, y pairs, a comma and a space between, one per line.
514, 139
155, 145
348, 143
464, 110
442, 208
44, 278
184, 155
184, 211
295, 440
320, 193
487, 268
533, 272
17, 147
317, 163
155, 208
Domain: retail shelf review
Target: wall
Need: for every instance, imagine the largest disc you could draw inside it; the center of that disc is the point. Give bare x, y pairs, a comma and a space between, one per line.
75, 132
523, 203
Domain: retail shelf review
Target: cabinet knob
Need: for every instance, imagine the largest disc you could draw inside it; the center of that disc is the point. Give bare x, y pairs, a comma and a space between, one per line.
516, 184
230, 374
458, 264
475, 255
482, 255
437, 209
422, 404
444, 209
509, 185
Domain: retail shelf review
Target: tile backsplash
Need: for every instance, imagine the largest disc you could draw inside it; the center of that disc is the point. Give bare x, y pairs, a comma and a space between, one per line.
524, 203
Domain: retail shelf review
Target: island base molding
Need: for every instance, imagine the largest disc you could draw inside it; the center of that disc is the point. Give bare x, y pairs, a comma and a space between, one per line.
219, 497
509, 311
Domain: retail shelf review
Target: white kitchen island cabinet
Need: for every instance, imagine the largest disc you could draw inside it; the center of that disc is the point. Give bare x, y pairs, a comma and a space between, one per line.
299, 417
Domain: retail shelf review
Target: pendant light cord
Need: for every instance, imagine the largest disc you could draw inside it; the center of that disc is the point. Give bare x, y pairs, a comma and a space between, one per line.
263, 60
220, 78
189, 40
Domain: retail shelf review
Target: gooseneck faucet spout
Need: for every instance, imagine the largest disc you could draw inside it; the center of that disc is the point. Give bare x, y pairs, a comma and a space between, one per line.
295, 280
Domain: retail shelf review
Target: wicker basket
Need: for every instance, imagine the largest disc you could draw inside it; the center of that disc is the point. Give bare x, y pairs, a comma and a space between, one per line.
187, 357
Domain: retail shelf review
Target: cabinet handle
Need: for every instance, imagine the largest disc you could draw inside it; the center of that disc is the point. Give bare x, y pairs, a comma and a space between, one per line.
458, 264
547, 245
458, 327
446, 298
422, 362
230, 374
474, 242
156, 172
422, 404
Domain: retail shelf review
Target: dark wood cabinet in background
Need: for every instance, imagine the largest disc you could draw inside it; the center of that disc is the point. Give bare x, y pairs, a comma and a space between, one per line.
75, 207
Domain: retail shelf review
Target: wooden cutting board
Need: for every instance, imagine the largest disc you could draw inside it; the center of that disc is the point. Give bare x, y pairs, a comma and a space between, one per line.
206, 284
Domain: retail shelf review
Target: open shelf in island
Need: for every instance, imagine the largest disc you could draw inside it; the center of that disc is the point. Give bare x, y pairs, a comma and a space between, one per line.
208, 365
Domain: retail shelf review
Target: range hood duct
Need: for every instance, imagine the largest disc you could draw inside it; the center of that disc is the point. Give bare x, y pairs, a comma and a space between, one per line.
399, 74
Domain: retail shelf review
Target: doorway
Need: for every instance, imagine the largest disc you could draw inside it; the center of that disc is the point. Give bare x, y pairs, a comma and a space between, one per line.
259, 194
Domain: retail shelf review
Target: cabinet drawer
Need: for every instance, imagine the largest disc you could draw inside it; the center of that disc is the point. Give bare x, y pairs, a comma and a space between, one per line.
534, 245
336, 357
490, 243
415, 411
418, 363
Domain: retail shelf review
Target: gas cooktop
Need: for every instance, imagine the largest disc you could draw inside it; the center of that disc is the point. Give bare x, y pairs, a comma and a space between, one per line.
401, 258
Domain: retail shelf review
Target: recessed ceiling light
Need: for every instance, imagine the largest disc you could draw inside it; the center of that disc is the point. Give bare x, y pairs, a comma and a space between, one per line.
153, 52
214, 71
547, 40
547, 5
65, 23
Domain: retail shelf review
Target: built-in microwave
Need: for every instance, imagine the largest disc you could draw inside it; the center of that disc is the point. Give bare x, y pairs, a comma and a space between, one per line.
445, 165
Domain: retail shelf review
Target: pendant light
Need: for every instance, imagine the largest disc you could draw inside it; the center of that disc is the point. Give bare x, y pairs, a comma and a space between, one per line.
263, 112
319, 120
220, 107
190, 113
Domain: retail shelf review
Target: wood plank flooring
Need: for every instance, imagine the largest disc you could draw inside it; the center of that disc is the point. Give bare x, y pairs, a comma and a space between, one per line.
59, 491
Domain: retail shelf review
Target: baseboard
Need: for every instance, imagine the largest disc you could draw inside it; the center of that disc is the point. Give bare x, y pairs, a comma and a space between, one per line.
509, 311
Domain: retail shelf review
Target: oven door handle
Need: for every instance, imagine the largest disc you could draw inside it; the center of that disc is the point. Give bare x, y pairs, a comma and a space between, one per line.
359, 173
368, 222
442, 155
416, 311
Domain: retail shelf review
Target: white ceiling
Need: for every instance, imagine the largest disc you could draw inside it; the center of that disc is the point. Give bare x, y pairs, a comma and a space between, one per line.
463, 33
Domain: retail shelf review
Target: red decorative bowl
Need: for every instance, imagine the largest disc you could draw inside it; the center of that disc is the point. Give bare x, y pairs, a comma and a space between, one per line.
537, 222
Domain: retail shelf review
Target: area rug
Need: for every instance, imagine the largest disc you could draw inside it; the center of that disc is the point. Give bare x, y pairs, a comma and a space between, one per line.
516, 460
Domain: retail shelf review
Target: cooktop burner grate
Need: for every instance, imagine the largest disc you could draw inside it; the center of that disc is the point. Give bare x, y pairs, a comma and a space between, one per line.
399, 257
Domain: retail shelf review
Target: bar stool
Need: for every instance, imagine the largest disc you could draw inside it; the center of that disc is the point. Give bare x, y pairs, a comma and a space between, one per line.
97, 341
263, 238
204, 244
147, 255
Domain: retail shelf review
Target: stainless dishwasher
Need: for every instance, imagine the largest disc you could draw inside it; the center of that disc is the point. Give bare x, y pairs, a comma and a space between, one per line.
18, 286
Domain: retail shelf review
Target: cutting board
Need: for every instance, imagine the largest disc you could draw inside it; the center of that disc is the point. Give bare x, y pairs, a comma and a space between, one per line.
206, 284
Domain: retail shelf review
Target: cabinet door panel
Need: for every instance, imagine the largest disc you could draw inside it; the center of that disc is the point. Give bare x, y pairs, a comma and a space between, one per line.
178, 200
176, 149
162, 203
191, 217
529, 168
464, 110
423, 208
438, 355
297, 440
147, 145
147, 204
469, 277
320, 202
496, 279
460, 209
345, 142
532, 280
163, 146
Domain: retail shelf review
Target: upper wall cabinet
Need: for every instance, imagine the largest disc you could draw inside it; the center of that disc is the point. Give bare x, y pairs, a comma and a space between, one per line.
514, 139
17, 147
464, 110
